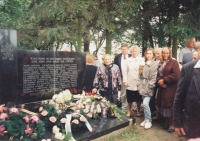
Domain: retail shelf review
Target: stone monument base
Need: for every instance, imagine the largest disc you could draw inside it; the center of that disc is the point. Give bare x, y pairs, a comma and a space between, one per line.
101, 129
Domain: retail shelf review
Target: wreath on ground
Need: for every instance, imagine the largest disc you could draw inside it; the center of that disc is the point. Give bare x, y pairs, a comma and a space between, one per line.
17, 125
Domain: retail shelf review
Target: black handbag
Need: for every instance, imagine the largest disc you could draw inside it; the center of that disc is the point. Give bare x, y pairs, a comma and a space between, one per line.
119, 103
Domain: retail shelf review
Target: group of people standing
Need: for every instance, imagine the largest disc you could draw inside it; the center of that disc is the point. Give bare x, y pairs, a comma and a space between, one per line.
151, 80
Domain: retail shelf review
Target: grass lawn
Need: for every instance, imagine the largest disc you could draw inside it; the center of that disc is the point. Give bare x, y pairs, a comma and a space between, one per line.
131, 135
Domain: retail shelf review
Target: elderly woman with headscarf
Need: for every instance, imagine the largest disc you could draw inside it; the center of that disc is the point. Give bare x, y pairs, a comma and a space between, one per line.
168, 75
108, 80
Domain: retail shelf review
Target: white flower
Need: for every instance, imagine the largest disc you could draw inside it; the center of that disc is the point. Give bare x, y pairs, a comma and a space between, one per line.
98, 110
59, 98
59, 136
46, 140
56, 129
67, 96
87, 107
88, 100
54, 96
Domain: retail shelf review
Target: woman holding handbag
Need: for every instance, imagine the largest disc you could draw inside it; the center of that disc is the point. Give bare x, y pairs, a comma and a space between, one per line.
108, 80
146, 84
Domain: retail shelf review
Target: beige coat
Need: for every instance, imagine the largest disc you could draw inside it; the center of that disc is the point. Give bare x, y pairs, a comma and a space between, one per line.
131, 72
149, 74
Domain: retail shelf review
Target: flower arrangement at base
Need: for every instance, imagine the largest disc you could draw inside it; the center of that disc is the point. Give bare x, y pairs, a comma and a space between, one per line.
65, 112
97, 106
54, 111
16, 125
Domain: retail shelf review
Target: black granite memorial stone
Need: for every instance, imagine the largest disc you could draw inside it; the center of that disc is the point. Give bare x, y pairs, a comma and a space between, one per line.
99, 127
44, 73
8, 66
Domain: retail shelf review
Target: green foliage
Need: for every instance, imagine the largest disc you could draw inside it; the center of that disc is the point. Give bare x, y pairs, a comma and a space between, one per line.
43, 23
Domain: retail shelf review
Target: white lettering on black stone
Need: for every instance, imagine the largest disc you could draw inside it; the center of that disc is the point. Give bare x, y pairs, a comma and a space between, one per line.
43, 77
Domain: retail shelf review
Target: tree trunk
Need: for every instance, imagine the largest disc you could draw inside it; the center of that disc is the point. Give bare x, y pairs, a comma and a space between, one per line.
169, 41
79, 35
86, 41
144, 44
175, 47
86, 44
175, 39
108, 42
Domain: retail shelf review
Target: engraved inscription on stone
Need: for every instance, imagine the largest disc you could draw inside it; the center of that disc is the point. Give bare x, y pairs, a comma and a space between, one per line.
44, 74
7, 52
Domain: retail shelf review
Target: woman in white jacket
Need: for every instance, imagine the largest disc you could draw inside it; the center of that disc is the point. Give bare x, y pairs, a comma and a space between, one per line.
131, 75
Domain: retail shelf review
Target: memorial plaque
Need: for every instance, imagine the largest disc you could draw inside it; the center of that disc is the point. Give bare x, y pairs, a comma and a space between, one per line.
43, 73
8, 66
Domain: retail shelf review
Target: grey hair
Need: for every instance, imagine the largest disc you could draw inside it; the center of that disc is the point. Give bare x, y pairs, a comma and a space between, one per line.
135, 48
106, 55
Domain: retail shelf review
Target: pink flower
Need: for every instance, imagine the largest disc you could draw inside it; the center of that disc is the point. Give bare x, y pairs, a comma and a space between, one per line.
3, 116
59, 112
2, 128
57, 107
78, 111
51, 102
89, 115
75, 121
28, 130
26, 118
72, 104
74, 114
40, 109
2, 108
81, 105
63, 120
13, 110
83, 119
35, 119
44, 113
52, 119
85, 110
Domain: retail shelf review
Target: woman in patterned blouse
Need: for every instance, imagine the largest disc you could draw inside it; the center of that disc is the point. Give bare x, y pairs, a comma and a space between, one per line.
108, 80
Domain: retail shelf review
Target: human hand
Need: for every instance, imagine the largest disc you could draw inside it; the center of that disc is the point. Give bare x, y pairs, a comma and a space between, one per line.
94, 90
161, 82
180, 132
163, 86
125, 84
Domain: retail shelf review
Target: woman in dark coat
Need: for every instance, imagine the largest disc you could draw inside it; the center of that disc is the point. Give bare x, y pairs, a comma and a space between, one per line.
168, 75
90, 71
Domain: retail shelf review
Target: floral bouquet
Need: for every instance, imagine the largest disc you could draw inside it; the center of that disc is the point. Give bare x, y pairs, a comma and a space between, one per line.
65, 112
16, 125
54, 111
97, 106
